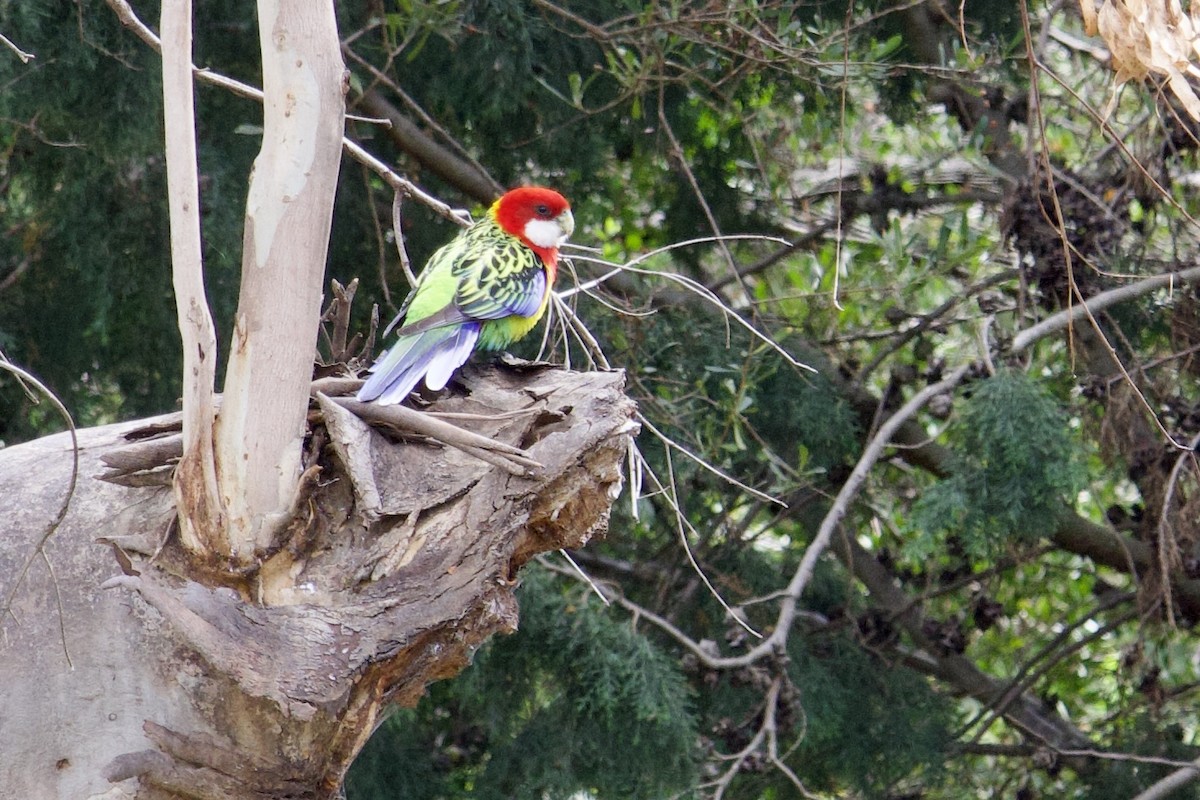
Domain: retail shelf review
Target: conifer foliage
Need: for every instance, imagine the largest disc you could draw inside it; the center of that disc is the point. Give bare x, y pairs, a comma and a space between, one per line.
576, 700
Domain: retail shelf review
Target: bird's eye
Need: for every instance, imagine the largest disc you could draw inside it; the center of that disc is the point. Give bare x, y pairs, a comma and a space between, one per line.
542, 210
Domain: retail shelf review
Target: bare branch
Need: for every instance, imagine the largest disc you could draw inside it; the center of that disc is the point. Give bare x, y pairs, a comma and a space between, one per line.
21, 54
671, 444
669, 492
29, 379
693, 286
401, 250
496, 453
1166, 786
1097, 302
202, 511
129, 18
841, 504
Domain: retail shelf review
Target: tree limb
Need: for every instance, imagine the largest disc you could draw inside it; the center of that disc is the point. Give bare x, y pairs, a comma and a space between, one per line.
1176, 780
1097, 302
460, 174
202, 513
289, 213
129, 19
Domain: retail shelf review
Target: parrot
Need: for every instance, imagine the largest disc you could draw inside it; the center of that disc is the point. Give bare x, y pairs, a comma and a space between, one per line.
486, 288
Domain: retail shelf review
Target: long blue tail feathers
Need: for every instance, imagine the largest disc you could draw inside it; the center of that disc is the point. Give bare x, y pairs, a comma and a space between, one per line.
433, 355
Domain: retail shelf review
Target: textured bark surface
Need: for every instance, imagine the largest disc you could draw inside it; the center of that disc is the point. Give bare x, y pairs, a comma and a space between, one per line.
180, 681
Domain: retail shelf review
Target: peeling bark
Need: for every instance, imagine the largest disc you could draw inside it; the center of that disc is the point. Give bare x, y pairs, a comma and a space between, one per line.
133, 670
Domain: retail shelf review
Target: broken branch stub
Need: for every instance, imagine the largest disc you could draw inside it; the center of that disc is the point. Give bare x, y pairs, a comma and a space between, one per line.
401, 560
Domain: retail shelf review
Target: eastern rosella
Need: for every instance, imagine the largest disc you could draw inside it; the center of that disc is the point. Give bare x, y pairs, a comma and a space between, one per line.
487, 288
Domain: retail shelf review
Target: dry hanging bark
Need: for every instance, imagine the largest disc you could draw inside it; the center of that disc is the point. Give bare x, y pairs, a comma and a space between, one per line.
401, 559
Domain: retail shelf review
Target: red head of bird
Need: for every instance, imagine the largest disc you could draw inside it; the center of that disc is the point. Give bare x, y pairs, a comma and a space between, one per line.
540, 217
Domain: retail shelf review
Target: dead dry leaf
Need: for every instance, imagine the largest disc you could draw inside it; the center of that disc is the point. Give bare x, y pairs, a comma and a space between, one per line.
1148, 37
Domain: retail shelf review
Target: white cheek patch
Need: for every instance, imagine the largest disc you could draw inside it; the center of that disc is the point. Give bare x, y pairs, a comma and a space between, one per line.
544, 232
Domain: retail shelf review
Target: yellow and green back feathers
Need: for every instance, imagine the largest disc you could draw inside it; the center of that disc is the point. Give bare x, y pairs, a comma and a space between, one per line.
486, 288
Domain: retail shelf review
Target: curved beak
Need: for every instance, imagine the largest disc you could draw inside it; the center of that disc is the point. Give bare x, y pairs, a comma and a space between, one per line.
566, 224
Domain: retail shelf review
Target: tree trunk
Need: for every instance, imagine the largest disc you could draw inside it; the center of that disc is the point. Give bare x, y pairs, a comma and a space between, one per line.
289, 212
128, 674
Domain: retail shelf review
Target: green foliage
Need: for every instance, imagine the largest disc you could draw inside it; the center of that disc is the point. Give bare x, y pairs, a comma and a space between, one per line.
811, 121
576, 700
807, 412
732, 399
1016, 470
865, 725
93, 312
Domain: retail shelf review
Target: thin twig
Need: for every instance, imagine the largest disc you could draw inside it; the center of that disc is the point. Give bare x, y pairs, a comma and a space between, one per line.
62, 617
671, 444
39, 548
771, 726
926, 321
398, 233
1167, 546
678, 152
381, 259
616, 269
575, 325
586, 578
21, 54
774, 258
129, 18
1048, 656
693, 286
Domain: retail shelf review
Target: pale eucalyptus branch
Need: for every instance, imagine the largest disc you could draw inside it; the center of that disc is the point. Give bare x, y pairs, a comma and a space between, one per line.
21, 54
195, 484
499, 454
1069, 316
232, 485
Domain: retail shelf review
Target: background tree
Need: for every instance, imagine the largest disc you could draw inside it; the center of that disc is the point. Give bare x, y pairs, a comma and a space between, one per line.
1000, 603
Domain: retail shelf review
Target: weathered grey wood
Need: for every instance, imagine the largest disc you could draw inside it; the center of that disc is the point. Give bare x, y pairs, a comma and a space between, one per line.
183, 680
